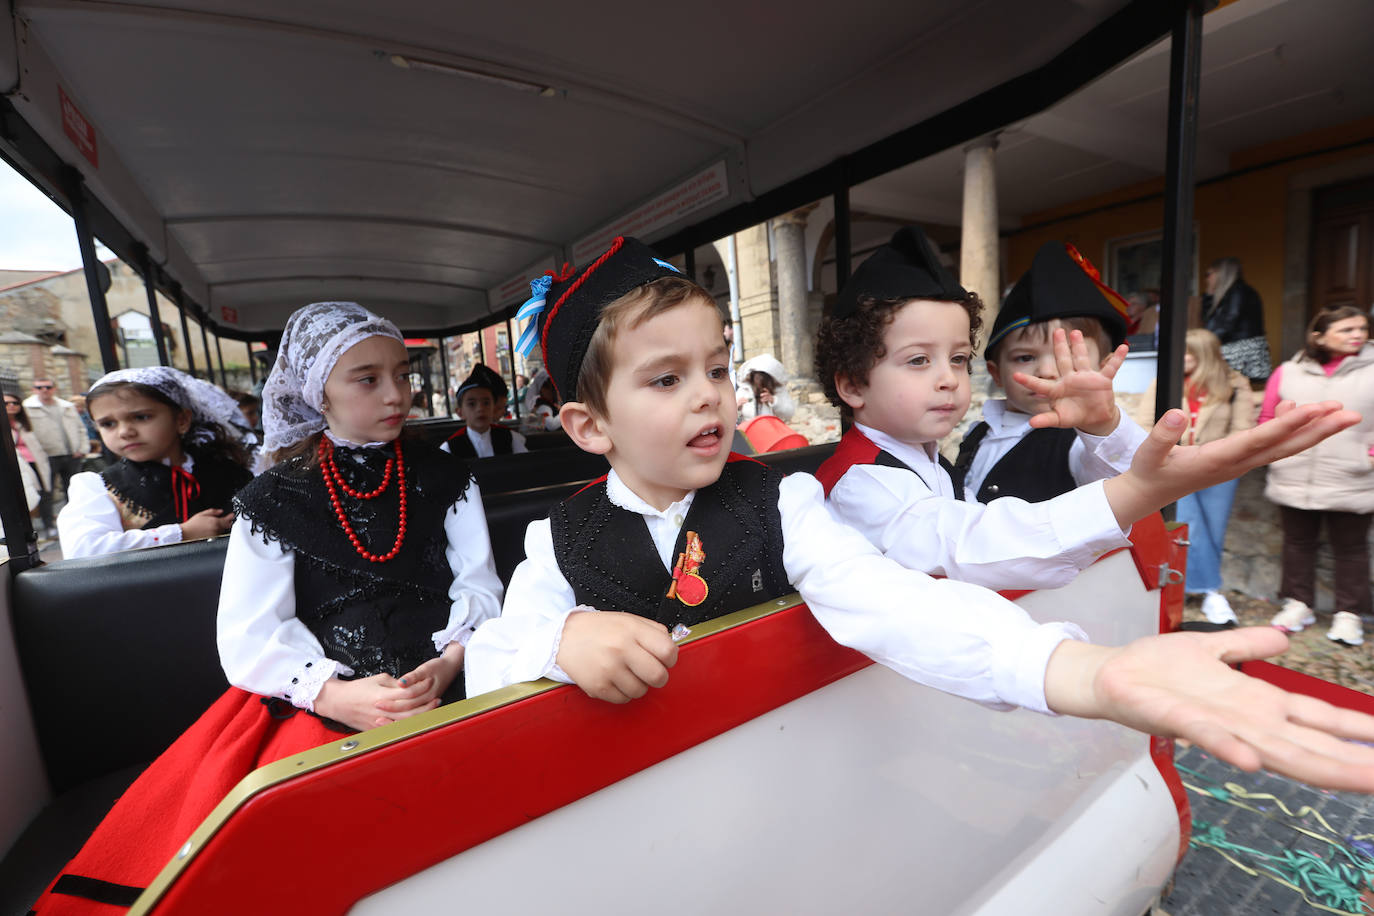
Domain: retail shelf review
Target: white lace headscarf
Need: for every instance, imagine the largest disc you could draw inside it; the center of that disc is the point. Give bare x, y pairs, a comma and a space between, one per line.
210, 407
314, 339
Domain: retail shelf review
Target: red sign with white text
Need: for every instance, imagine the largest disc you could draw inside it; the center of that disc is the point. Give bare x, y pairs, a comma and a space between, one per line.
78, 129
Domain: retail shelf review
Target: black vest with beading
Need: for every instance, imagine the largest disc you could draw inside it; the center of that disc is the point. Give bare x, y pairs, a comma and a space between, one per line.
1035, 469
145, 487
374, 617
608, 556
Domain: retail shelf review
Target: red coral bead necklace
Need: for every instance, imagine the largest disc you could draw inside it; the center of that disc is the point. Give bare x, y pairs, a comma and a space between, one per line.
334, 482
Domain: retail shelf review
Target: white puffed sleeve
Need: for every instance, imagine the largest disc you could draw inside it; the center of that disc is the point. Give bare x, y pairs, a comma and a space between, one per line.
522, 643
1099, 457
956, 637
1007, 543
263, 647
476, 590
89, 525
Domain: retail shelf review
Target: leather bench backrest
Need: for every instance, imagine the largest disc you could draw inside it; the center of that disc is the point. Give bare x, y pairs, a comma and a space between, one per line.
118, 654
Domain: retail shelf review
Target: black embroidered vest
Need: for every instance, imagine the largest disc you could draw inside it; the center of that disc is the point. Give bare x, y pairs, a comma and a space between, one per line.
374, 617
145, 487
1036, 468
502, 442
609, 559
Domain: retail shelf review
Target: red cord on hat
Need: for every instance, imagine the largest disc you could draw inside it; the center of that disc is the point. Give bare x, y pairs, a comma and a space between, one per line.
548, 322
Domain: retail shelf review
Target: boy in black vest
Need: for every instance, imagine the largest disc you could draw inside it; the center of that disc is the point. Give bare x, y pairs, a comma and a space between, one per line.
636, 351
481, 399
902, 321
1004, 454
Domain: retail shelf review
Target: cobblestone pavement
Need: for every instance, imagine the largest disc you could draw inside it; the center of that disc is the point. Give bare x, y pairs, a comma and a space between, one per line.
1244, 844
1265, 845
1309, 651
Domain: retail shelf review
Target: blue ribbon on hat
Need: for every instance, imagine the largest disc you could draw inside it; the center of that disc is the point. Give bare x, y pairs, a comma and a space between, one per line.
662, 263
533, 309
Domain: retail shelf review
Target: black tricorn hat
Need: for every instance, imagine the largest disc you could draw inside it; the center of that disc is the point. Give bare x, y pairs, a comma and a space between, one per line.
907, 267
1061, 283
574, 301
483, 376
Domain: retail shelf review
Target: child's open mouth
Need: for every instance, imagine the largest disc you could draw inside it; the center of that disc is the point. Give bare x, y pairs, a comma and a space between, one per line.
706, 439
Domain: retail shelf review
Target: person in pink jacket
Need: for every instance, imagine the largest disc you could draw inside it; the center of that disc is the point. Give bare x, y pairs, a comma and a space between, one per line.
1331, 483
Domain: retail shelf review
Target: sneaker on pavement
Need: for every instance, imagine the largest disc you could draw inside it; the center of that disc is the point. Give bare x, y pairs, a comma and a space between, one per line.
1346, 629
1217, 609
1294, 616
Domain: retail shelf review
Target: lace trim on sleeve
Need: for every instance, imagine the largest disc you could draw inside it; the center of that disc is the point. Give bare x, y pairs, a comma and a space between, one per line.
309, 678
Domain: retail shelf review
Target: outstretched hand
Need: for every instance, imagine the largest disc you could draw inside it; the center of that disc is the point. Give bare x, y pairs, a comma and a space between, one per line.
1163, 471
1081, 397
1181, 685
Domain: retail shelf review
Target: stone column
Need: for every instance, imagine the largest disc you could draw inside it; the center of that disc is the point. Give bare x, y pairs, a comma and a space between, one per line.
795, 333
979, 247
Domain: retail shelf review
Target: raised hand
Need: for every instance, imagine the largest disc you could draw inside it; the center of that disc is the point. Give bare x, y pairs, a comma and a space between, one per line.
1081, 397
1163, 471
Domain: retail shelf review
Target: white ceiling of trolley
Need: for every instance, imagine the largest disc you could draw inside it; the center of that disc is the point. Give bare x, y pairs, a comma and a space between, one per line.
420, 156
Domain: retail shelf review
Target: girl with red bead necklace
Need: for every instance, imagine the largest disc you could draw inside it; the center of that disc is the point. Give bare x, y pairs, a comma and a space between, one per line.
357, 569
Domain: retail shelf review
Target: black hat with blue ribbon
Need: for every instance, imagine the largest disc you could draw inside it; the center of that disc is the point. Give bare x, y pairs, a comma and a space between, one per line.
565, 308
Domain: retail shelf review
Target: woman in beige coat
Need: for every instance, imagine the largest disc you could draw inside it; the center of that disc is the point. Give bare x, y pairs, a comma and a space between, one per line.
1331, 483
1218, 401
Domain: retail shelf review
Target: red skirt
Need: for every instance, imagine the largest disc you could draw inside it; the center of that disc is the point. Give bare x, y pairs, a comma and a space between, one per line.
164, 806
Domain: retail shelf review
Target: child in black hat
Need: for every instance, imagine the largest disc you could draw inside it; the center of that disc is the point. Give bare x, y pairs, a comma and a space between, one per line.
1006, 454
638, 355
895, 355
481, 401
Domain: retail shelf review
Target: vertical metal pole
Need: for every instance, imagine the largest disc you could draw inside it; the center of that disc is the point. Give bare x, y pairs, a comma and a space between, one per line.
1185, 67
153, 316
843, 244
14, 508
689, 263
443, 370
252, 363
205, 344
76, 197
223, 375
481, 345
510, 355
186, 336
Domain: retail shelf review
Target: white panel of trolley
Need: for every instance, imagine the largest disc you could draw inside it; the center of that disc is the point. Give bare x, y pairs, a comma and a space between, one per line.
869, 795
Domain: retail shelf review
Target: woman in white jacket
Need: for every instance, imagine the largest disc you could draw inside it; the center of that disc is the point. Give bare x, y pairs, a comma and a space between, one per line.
763, 389
1331, 483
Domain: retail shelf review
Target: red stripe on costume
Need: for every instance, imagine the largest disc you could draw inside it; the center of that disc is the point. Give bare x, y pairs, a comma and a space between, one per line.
590, 484
854, 448
736, 456
548, 322
461, 431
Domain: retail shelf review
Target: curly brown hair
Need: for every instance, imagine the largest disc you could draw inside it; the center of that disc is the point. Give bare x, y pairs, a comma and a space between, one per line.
851, 346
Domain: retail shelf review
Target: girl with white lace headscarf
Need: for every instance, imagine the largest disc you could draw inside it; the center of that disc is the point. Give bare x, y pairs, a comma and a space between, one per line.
180, 442
356, 571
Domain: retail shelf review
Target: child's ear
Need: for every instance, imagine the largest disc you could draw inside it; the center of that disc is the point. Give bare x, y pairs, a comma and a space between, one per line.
995, 371
849, 391
584, 428
183, 421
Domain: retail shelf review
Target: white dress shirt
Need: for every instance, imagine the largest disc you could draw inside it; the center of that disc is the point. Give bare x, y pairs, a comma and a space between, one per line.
1008, 543
90, 524
481, 442
955, 637
263, 646
1090, 457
